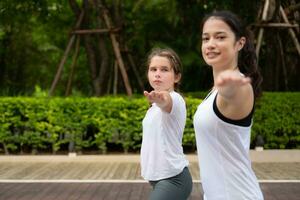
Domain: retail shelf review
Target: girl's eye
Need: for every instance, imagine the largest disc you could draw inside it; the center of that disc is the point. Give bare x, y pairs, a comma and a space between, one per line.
164, 69
205, 39
152, 69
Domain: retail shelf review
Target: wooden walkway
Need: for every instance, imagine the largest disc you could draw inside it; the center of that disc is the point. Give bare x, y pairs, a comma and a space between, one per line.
118, 177
115, 170
119, 191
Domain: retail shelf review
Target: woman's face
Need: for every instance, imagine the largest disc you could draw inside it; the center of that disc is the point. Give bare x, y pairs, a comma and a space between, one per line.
161, 75
219, 45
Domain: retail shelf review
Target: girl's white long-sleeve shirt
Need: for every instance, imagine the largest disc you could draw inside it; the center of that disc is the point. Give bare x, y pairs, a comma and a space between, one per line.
161, 151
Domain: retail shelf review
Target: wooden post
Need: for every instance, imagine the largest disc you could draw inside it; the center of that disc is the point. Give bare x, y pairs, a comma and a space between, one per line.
277, 25
291, 31
261, 30
283, 63
116, 48
64, 58
115, 85
69, 85
136, 73
94, 31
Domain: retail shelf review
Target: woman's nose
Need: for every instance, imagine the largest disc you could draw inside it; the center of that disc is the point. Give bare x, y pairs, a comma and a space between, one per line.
211, 44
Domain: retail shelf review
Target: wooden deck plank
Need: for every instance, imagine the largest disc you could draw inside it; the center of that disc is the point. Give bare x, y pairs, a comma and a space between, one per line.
93, 171
16, 171
119, 191
113, 171
123, 170
44, 192
82, 192
125, 191
113, 192
194, 170
10, 192
98, 170
133, 172
92, 192
106, 170
4, 168
137, 192
38, 169
102, 192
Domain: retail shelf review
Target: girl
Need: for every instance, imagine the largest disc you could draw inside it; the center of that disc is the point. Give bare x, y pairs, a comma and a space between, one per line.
163, 163
223, 120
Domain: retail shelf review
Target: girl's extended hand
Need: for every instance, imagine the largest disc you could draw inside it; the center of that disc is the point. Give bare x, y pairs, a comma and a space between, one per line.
161, 98
156, 97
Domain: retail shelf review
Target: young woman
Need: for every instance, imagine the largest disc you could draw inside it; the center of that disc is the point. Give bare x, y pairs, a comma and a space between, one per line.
223, 120
163, 163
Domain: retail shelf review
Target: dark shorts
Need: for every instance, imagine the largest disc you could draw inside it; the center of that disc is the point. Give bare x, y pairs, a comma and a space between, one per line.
178, 187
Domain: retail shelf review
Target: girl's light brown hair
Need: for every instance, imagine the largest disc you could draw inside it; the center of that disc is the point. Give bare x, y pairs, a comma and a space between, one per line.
173, 58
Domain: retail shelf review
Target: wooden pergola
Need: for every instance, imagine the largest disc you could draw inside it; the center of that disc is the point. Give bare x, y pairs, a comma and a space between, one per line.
110, 31
265, 22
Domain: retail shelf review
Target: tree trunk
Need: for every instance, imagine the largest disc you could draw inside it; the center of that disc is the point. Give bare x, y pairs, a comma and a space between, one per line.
5, 149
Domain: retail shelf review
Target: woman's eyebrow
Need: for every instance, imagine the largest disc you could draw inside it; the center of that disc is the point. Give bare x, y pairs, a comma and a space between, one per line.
216, 33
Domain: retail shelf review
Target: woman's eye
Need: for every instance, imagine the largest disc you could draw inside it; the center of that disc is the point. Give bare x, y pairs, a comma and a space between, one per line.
221, 37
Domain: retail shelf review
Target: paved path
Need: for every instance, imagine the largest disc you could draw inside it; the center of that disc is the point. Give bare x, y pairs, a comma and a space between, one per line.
101, 171
120, 191
272, 165
116, 177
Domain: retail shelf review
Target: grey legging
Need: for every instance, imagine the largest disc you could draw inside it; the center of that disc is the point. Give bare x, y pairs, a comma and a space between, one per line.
178, 187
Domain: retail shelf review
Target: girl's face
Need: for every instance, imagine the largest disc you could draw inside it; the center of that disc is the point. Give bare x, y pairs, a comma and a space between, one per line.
161, 75
219, 45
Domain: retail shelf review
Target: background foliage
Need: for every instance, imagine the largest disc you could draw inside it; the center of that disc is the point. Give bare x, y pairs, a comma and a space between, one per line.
33, 38
34, 34
60, 125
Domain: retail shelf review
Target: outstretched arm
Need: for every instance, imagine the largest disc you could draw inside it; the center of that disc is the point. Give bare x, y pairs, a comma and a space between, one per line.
235, 94
229, 83
162, 99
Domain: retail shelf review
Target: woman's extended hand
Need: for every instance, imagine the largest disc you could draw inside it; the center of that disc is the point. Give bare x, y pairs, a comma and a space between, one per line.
228, 82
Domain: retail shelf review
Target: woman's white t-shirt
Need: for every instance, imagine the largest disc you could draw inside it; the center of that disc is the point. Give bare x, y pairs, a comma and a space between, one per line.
223, 153
161, 152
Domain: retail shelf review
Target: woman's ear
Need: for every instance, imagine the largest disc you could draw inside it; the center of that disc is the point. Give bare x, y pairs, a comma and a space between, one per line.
241, 43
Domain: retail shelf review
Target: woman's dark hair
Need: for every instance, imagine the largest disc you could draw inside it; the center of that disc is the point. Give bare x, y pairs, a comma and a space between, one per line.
173, 58
247, 59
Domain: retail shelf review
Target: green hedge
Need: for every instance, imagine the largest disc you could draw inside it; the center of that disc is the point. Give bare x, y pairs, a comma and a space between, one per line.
277, 119
76, 124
